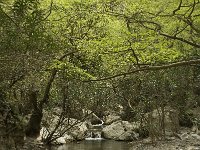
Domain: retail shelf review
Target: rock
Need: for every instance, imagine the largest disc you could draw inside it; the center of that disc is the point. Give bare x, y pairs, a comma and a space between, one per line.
61, 140
131, 125
76, 133
94, 119
57, 111
43, 134
79, 131
128, 136
111, 118
185, 136
69, 138
113, 131
120, 130
193, 148
50, 120
195, 129
171, 121
195, 117
91, 117
195, 112
195, 136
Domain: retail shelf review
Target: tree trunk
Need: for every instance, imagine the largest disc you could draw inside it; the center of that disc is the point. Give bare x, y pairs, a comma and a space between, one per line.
34, 124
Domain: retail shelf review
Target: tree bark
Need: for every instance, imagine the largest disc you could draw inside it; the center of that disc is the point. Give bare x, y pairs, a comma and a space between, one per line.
34, 124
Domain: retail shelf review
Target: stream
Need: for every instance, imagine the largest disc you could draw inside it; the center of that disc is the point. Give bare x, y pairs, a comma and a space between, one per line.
94, 141
96, 145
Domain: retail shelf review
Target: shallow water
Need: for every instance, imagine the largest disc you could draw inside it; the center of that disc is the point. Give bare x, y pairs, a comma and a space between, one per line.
96, 145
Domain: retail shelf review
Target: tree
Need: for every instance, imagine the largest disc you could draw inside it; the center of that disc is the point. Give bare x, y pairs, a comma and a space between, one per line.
46, 43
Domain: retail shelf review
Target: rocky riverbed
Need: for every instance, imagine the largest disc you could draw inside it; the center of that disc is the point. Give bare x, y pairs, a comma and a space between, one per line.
185, 140
115, 129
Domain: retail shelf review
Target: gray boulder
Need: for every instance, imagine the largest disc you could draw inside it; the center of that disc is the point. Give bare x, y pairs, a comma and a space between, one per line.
109, 119
120, 130
78, 132
171, 119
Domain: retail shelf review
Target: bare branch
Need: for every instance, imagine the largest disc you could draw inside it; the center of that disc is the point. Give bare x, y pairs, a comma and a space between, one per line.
193, 7
15, 80
180, 31
190, 23
178, 8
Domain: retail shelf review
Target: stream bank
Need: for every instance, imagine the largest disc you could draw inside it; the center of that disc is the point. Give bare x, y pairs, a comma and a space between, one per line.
89, 135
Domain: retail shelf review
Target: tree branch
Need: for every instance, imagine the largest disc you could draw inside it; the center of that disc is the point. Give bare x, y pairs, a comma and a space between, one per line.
50, 11
180, 39
9, 17
15, 80
51, 79
178, 8
152, 68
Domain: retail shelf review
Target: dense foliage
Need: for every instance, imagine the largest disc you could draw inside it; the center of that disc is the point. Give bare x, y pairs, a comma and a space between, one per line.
99, 55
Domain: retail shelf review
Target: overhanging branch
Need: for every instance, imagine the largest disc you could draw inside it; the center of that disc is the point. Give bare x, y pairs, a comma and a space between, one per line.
180, 39
151, 68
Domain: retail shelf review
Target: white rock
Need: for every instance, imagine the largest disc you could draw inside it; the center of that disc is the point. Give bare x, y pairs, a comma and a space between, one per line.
61, 140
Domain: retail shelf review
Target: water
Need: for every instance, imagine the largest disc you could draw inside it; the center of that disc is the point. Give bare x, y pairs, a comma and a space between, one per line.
96, 145
94, 141
94, 132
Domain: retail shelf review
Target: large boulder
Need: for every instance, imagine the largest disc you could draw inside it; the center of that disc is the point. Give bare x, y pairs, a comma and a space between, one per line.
73, 128
79, 131
157, 122
120, 130
109, 119
64, 139
44, 132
